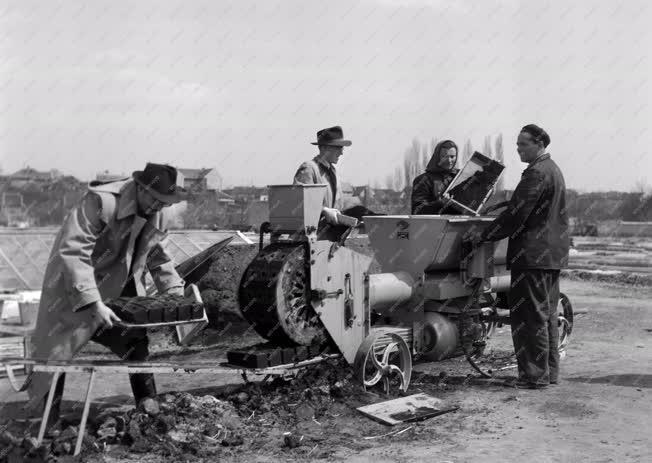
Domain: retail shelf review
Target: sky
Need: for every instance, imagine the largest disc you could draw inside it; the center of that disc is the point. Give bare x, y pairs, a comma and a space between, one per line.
243, 86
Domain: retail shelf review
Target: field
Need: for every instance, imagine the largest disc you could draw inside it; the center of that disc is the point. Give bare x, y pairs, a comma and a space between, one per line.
600, 411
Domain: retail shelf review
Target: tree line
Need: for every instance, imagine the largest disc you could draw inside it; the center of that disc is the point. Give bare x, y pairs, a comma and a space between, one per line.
418, 154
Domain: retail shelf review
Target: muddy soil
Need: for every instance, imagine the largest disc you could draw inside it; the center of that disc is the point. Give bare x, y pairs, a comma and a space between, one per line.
600, 412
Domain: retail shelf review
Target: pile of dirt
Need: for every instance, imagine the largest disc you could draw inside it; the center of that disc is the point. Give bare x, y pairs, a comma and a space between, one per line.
219, 287
313, 414
618, 278
299, 416
177, 425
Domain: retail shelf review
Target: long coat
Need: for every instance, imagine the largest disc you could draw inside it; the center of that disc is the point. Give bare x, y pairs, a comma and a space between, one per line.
536, 220
102, 243
317, 170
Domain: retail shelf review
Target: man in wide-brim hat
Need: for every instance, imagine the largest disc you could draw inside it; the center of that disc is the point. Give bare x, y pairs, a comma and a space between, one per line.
321, 169
106, 244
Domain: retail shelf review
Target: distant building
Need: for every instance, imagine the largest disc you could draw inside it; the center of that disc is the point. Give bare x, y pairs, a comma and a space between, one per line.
244, 194
222, 197
349, 198
107, 176
12, 210
206, 179
29, 174
385, 200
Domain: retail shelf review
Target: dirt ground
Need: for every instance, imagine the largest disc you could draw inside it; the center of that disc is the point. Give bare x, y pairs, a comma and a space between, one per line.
600, 412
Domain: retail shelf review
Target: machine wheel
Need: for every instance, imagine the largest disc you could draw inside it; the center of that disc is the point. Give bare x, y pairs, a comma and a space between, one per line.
375, 362
274, 296
565, 321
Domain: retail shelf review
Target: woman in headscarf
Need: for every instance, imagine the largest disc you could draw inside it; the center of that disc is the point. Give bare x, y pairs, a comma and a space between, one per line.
428, 188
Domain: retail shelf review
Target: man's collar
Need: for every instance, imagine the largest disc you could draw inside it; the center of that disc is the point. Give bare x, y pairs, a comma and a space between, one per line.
320, 160
127, 200
541, 157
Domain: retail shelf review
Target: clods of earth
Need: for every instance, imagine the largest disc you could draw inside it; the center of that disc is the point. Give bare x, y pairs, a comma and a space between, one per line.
275, 417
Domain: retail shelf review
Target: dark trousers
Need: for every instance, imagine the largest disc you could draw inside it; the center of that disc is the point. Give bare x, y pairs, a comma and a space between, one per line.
130, 345
533, 299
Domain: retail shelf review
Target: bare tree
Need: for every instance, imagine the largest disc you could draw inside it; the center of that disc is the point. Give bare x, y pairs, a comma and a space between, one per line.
389, 181
500, 157
641, 186
425, 157
487, 147
467, 152
398, 179
411, 163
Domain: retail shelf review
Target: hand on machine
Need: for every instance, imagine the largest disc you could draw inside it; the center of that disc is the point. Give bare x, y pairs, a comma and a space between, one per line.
474, 237
495, 207
333, 216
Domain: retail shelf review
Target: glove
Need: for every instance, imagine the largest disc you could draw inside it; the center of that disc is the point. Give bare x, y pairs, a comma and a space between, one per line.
331, 215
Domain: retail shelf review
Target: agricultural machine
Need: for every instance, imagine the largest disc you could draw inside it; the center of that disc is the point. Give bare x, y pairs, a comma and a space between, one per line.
425, 294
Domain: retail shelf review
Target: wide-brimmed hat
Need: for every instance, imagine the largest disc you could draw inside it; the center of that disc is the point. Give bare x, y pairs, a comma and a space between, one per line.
161, 181
332, 136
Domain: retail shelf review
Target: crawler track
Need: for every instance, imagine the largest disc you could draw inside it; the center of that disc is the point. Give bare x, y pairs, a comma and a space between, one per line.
274, 296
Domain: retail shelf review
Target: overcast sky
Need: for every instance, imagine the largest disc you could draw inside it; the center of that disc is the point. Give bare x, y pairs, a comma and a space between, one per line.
243, 86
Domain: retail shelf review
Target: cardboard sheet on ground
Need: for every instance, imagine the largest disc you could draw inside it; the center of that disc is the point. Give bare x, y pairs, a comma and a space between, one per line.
415, 407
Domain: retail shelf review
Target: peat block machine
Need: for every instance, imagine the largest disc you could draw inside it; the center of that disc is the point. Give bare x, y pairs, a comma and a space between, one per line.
422, 294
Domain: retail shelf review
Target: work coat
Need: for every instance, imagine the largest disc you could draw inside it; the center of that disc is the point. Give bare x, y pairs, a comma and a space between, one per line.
318, 170
428, 188
103, 243
536, 219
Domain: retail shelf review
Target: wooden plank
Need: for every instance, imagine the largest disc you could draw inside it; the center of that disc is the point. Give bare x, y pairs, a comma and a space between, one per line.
122, 369
15, 349
11, 347
16, 329
415, 407
119, 366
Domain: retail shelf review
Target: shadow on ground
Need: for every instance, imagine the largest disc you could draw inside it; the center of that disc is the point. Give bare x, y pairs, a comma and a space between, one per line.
629, 380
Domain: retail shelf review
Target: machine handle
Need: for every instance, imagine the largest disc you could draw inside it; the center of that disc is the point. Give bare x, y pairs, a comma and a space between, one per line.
265, 227
323, 294
349, 316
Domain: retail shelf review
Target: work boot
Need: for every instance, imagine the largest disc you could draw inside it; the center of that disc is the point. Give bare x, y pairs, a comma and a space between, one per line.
142, 386
527, 385
522, 383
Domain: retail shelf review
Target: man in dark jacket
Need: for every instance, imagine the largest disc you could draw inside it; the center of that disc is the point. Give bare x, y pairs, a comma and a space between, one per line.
428, 188
536, 223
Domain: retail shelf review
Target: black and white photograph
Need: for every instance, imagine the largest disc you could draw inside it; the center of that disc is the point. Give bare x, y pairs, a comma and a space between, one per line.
346, 231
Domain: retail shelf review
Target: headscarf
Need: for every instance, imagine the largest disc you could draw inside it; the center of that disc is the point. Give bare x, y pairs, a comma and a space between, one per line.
433, 164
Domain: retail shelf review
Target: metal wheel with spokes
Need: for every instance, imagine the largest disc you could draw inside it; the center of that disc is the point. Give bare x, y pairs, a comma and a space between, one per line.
375, 362
565, 321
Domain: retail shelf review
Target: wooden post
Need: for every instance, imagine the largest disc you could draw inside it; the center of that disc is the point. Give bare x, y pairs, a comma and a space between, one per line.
48, 407
87, 405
